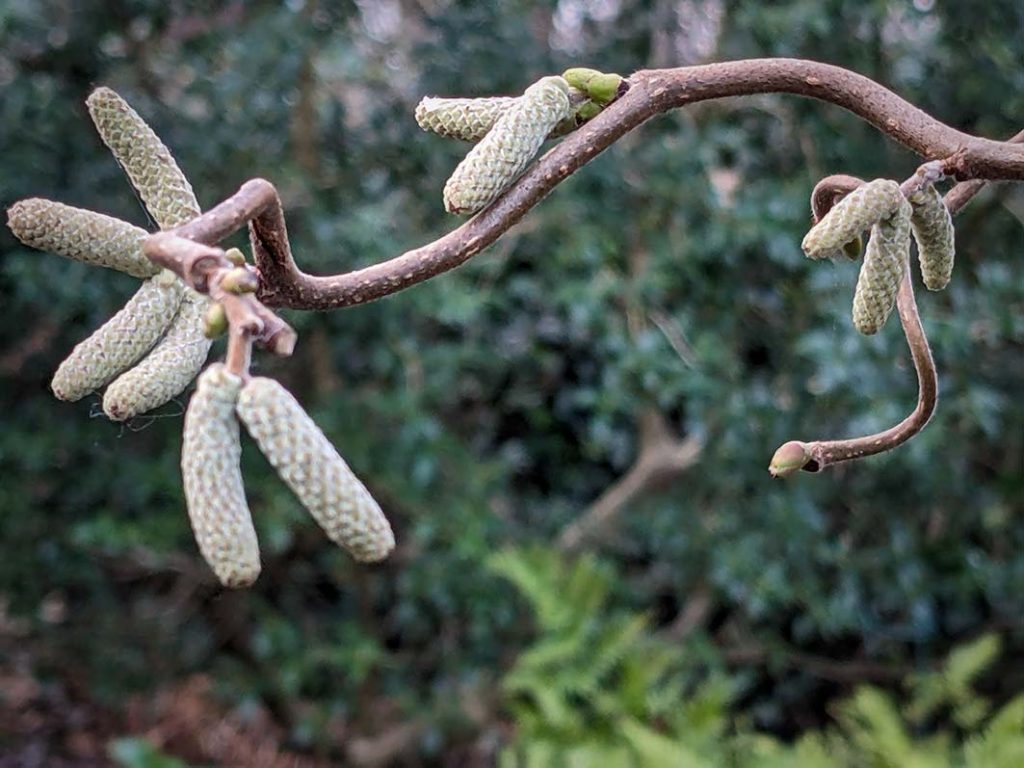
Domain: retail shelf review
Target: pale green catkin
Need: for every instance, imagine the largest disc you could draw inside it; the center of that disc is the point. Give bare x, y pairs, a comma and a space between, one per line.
493, 164
312, 468
933, 231
885, 260
471, 119
466, 119
212, 477
122, 340
148, 163
168, 369
81, 235
860, 210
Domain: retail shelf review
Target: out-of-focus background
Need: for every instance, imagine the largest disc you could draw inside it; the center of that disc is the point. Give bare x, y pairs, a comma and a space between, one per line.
569, 434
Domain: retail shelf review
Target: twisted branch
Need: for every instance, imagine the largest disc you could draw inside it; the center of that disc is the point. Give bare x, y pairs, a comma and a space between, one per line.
651, 92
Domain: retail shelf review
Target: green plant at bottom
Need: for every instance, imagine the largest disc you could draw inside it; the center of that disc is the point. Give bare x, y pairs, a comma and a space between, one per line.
599, 687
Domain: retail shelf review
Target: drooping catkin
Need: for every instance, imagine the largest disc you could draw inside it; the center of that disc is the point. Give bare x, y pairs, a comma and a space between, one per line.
885, 260
210, 454
860, 210
148, 163
466, 119
508, 147
312, 468
122, 340
81, 235
168, 369
933, 231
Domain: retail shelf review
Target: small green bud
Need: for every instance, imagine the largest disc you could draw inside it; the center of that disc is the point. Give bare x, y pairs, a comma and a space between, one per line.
240, 280
235, 256
216, 323
791, 457
601, 87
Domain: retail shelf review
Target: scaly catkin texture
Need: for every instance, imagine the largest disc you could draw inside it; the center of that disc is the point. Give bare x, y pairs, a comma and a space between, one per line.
149, 164
933, 231
122, 340
885, 259
168, 369
312, 468
860, 210
81, 235
466, 119
507, 148
210, 454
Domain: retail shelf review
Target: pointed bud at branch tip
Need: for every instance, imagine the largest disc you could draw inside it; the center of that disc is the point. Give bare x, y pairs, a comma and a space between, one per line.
601, 87
791, 457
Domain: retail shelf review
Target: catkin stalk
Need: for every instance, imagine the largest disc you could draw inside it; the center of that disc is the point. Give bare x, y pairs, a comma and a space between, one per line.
122, 340
210, 455
313, 469
508, 147
81, 235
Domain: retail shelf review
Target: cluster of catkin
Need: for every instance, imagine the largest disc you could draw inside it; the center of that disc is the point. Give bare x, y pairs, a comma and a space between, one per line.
510, 130
880, 206
294, 446
152, 348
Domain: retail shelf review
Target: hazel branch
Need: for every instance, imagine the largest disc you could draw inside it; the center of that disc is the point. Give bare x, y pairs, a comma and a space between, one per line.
651, 92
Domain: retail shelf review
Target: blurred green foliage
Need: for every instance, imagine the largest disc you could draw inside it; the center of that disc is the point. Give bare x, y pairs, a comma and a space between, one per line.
600, 689
491, 405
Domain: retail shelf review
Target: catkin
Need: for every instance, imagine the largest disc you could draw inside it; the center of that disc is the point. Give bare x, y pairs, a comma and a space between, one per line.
860, 210
210, 454
81, 235
168, 369
312, 468
933, 231
466, 119
148, 163
885, 260
122, 340
508, 147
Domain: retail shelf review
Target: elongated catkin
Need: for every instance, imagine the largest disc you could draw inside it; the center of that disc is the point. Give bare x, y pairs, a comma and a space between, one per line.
933, 231
860, 210
122, 340
168, 368
508, 147
885, 260
212, 476
148, 163
81, 235
313, 469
